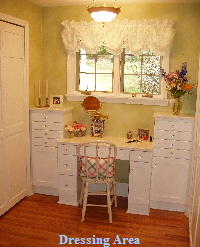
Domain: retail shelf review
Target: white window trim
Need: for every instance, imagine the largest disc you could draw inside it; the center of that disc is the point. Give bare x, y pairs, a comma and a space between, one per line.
115, 96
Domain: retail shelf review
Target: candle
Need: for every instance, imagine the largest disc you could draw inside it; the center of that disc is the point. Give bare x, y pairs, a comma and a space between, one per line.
39, 93
47, 88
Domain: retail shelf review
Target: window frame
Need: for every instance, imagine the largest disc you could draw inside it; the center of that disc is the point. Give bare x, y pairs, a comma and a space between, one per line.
116, 96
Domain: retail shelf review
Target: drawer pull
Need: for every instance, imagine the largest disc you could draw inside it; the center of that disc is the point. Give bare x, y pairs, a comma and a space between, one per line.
140, 156
172, 145
45, 126
172, 125
172, 135
45, 134
132, 169
66, 185
154, 165
65, 150
45, 117
101, 153
171, 153
66, 165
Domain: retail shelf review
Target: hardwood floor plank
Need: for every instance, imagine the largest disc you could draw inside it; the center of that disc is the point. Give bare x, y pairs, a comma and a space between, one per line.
38, 220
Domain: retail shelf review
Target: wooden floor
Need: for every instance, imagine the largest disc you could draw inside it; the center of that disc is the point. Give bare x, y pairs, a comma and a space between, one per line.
37, 221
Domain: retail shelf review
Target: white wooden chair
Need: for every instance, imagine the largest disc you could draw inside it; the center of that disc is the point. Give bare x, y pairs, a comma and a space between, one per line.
97, 166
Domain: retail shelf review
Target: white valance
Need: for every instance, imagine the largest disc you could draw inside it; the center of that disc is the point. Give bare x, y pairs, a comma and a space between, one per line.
133, 35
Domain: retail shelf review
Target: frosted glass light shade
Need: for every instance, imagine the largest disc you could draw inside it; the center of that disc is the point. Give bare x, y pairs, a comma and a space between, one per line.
103, 14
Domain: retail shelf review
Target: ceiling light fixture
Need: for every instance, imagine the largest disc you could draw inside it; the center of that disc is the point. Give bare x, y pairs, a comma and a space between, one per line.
103, 13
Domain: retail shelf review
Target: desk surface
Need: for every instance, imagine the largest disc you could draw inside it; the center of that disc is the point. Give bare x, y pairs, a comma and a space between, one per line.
120, 142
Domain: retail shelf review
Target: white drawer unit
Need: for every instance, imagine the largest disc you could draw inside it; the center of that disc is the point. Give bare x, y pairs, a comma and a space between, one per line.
69, 185
47, 127
139, 182
171, 161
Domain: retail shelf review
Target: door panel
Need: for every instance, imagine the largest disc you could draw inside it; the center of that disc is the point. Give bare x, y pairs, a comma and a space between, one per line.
13, 116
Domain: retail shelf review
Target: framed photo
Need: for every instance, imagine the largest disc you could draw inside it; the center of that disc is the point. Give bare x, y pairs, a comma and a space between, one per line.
97, 128
143, 134
56, 100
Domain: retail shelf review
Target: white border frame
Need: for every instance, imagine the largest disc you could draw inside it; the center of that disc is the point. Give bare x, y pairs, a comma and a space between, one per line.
52, 104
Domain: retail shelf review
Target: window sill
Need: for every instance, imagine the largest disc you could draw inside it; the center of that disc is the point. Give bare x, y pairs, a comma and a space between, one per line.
122, 100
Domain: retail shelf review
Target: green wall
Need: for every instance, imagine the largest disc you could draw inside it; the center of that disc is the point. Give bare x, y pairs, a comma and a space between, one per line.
48, 56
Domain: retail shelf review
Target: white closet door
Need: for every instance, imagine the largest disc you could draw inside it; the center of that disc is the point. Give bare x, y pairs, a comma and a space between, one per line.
13, 122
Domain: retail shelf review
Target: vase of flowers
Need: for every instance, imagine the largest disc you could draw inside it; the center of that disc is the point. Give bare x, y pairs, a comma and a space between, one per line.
177, 85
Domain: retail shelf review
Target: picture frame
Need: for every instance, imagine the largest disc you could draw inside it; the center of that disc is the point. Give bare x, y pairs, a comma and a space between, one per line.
97, 128
143, 134
56, 100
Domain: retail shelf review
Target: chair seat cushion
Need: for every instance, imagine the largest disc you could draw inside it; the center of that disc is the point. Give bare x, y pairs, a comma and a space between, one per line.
102, 165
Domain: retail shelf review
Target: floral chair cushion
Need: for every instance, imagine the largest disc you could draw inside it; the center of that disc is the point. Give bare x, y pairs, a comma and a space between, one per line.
102, 164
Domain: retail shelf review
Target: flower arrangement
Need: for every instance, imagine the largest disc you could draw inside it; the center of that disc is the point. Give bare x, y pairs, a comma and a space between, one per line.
177, 81
76, 129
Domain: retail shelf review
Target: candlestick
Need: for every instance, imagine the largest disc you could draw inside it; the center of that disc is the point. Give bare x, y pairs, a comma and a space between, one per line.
39, 93
39, 105
47, 102
47, 88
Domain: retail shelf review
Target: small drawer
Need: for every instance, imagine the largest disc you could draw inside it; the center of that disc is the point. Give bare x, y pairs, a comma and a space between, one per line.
123, 154
44, 142
173, 135
141, 156
183, 145
67, 165
67, 184
47, 133
46, 117
174, 125
47, 126
67, 149
171, 153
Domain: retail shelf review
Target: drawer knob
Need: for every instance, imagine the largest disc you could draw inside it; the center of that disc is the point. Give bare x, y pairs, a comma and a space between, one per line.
172, 145
66, 165
140, 156
65, 150
45, 134
172, 125
132, 169
172, 135
154, 165
171, 153
45, 143
45, 126
45, 117
66, 185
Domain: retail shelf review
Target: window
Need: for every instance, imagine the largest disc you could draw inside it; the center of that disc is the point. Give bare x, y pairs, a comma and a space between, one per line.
141, 74
95, 71
115, 78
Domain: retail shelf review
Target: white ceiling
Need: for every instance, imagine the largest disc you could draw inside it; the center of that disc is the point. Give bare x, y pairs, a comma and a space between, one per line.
54, 3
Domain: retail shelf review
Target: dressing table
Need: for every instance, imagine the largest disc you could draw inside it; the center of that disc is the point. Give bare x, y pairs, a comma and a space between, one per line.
138, 153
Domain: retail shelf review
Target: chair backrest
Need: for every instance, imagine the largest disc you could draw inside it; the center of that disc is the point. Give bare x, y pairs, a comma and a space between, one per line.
97, 160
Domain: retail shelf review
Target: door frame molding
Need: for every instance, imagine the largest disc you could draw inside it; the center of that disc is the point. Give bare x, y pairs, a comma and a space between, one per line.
25, 24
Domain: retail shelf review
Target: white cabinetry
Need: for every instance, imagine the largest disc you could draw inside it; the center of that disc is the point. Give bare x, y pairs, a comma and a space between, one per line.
47, 126
69, 181
139, 182
171, 161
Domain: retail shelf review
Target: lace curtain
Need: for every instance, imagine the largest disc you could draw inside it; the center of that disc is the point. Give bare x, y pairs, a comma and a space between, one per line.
133, 35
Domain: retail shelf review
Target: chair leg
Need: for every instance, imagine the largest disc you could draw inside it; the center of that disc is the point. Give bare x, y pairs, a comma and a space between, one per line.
84, 200
115, 193
109, 203
82, 193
